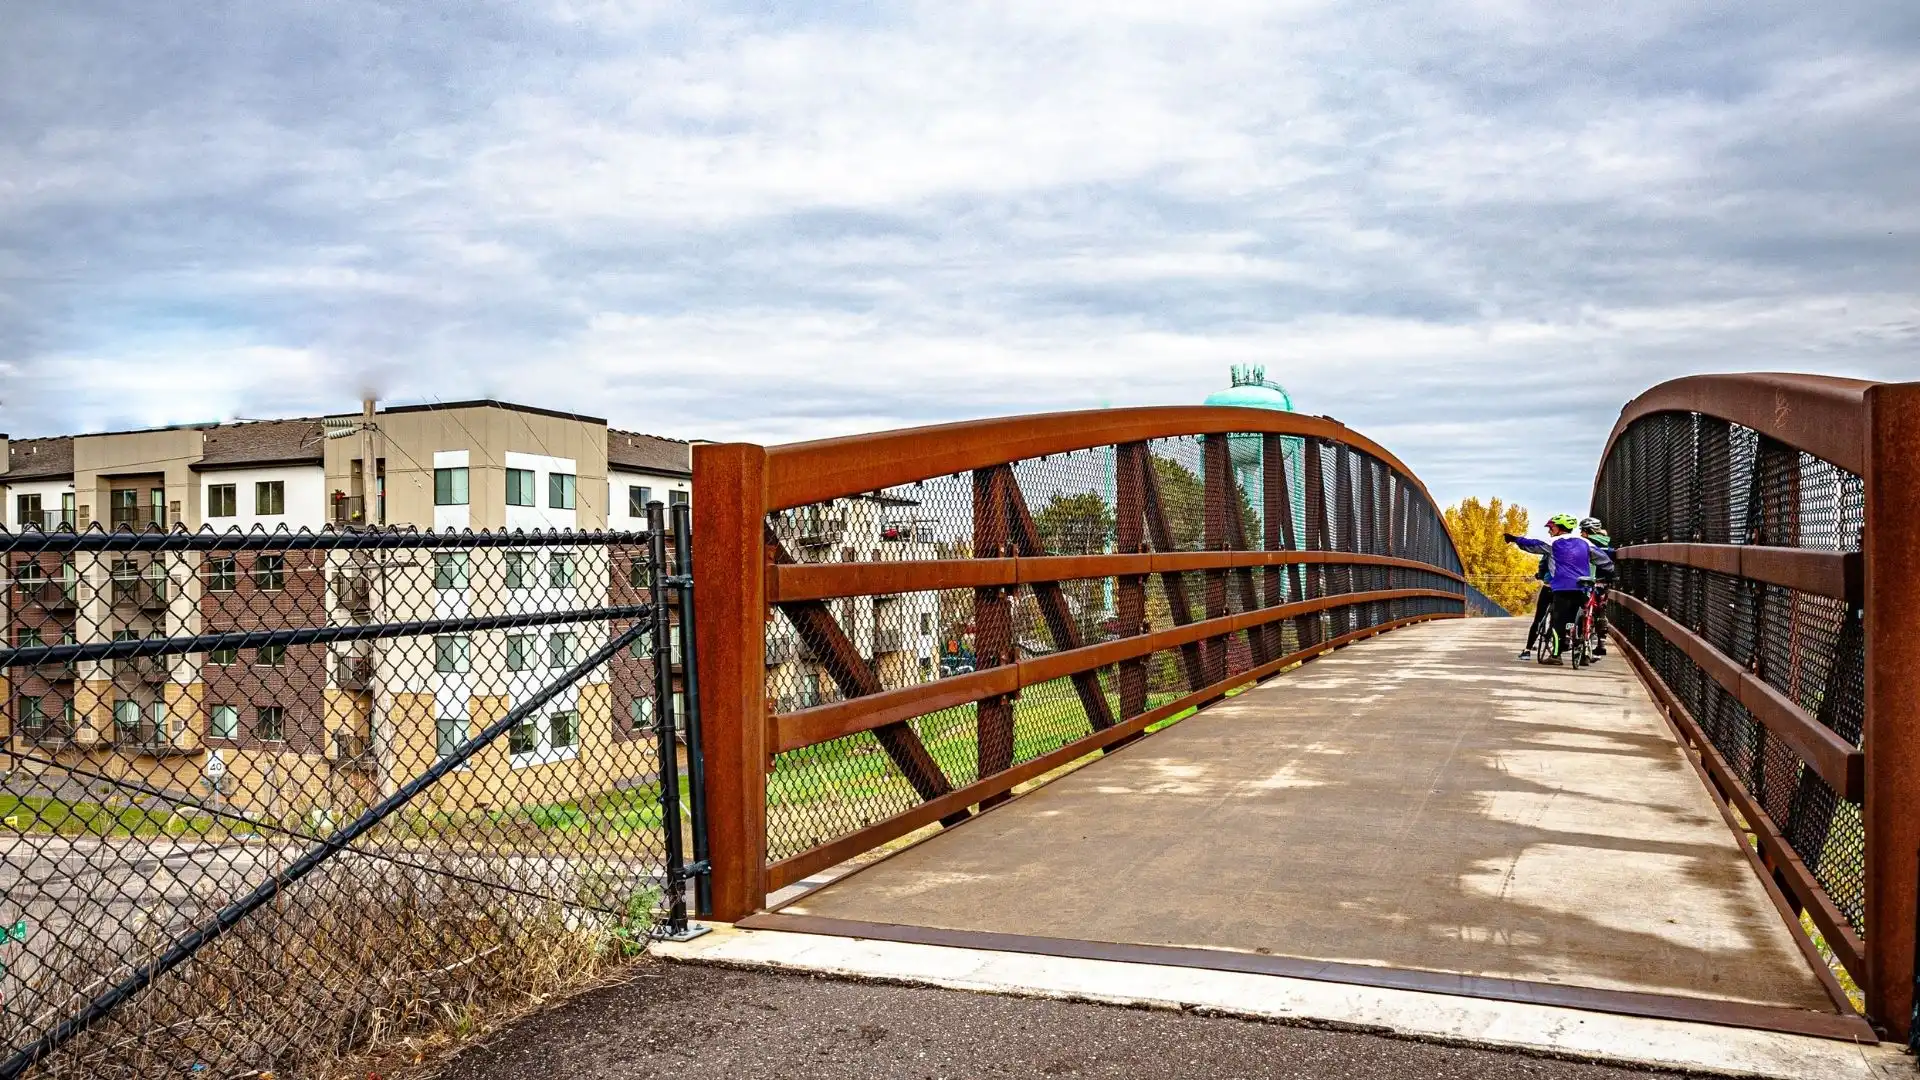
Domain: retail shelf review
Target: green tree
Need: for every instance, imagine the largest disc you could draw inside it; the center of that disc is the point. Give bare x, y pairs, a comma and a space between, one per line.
1079, 524
1495, 567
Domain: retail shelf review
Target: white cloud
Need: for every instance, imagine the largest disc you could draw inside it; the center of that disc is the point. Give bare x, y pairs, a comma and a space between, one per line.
1471, 230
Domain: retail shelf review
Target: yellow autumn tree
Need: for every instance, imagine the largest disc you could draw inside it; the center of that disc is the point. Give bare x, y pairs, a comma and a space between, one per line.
1495, 567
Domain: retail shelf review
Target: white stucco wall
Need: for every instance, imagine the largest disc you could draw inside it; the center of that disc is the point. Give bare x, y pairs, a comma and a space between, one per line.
452, 517
619, 480
540, 515
306, 498
49, 492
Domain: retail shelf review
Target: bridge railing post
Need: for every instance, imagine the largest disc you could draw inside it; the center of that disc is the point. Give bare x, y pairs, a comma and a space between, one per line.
1892, 733
729, 546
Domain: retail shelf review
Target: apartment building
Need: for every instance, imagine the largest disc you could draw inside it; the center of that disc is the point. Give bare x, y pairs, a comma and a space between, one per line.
898, 631
317, 726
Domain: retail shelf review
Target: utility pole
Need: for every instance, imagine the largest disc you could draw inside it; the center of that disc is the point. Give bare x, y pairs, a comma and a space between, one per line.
372, 508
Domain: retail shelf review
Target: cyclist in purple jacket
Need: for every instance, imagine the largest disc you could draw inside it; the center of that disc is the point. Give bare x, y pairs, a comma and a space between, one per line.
1573, 559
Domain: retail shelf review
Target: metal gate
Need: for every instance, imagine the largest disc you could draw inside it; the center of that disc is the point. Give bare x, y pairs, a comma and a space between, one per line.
272, 799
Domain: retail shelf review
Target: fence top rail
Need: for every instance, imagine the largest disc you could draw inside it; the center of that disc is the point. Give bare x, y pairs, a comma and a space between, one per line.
1822, 415
824, 469
95, 538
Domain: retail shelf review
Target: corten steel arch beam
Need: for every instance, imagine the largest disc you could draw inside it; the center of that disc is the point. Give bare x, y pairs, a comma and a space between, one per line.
1872, 431
742, 484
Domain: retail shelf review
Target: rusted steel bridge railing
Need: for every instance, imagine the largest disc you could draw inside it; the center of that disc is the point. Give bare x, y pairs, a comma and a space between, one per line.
899, 628
1770, 583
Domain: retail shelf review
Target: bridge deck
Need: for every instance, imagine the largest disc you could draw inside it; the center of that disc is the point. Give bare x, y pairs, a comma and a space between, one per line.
1417, 803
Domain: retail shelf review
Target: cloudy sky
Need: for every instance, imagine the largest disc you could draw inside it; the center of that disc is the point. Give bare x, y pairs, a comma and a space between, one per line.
1471, 230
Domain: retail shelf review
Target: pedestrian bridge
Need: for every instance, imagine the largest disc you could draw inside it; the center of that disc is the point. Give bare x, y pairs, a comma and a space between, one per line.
1194, 687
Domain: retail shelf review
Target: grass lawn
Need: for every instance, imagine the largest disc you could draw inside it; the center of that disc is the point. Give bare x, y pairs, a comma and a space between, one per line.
819, 792
38, 814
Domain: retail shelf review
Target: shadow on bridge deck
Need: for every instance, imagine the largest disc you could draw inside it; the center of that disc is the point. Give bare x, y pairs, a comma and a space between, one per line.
1419, 810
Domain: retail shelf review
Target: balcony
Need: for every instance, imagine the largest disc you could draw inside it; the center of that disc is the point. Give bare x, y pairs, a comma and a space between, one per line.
155, 741
355, 593
147, 592
782, 651
66, 672
351, 750
137, 518
353, 672
146, 669
348, 510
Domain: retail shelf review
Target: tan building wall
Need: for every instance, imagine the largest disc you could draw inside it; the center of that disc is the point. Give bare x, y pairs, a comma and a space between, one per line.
409, 439
153, 458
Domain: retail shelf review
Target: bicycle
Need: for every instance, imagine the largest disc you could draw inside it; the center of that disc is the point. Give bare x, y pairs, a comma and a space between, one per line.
1547, 651
1580, 631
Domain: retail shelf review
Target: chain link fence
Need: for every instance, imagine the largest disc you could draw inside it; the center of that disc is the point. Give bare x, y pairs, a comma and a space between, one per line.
1685, 478
272, 800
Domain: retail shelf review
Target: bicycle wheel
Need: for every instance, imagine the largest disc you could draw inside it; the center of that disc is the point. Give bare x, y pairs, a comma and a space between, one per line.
1549, 645
1577, 645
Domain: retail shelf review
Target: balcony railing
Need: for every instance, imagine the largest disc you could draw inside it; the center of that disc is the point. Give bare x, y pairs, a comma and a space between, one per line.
153, 740
351, 750
47, 520
349, 510
137, 518
152, 669
49, 594
355, 593
145, 593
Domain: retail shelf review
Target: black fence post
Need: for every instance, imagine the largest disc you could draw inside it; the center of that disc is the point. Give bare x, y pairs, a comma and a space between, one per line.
675, 882
701, 868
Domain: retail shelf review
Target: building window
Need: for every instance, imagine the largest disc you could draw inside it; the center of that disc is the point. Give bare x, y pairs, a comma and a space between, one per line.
270, 498
679, 709
27, 578
448, 733
450, 487
520, 649
32, 716
641, 713
926, 622
221, 501
524, 738
673, 642
27, 509
677, 498
637, 499
270, 572
27, 637
270, 656
637, 572
270, 723
450, 570
560, 490
563, 730
450, 653
519, 487
560, 570
560, 650
126, 717
222, 572
516, 564
224, 722
224, 657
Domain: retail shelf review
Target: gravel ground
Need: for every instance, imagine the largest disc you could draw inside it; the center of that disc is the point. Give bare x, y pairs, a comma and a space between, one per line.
687, 1021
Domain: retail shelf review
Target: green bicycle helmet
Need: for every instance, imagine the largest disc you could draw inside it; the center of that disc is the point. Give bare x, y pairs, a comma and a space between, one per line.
1565, 521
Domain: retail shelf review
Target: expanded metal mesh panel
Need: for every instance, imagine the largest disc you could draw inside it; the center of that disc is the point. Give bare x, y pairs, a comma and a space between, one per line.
189, 714
1199, 493
1687, 478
